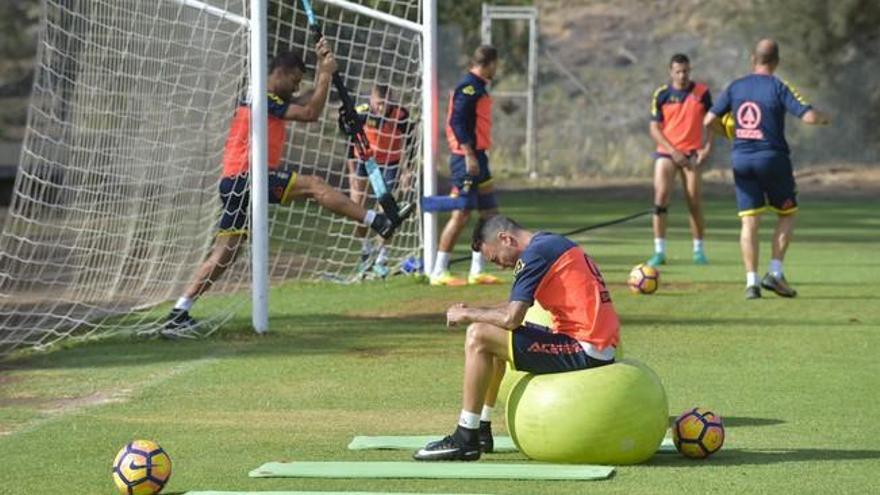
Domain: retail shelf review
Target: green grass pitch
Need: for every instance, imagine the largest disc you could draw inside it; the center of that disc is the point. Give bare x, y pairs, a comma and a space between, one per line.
796, 381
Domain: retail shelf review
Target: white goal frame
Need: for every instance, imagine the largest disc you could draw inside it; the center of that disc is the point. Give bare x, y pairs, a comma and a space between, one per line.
258, 26
530, 14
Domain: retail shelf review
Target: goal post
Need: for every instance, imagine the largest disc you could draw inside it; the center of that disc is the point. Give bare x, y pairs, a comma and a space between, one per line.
492, 13
116, 205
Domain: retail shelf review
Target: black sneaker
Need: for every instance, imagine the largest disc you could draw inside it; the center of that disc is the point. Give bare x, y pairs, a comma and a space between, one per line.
487, 443
462, 445
179, 324
383, 226
778, 285
753, 292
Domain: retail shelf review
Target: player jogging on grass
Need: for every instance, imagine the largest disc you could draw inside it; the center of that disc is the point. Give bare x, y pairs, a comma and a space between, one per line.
762, 170
387, 127
547, 268
285, 74
469, 134
677, 111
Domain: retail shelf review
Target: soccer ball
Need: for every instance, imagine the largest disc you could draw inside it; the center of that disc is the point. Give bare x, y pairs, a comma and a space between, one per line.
729, 125
698, 433
141, 468
644, 279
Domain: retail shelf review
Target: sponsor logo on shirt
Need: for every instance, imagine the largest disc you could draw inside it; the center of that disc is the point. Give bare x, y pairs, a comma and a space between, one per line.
748, 119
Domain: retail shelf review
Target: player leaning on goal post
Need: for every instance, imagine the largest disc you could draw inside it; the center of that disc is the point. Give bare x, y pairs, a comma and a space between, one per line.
547, 268
285, 74
677, 111
762, 170
469, 133
387, 128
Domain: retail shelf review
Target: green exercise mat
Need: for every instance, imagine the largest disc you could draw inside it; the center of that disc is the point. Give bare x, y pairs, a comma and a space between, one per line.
432, 470
502, 443
315, 493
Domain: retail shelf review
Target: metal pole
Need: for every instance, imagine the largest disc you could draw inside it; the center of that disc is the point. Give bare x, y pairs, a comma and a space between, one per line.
486, 25
531, 147
429, 128
259, 166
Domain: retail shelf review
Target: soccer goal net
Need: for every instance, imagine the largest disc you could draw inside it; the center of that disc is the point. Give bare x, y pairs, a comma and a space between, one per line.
116, 200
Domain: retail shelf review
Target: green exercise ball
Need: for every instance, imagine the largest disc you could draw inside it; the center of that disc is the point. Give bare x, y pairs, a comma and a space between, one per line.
615, 414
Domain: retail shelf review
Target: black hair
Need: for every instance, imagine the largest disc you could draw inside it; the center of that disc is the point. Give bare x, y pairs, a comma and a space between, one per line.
679, 58
488, 228
287, 61
484, 55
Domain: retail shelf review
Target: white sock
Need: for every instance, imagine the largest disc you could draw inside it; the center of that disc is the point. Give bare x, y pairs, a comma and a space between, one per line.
659, 245
752, 279
469, 420
369, 217
487, 413
441, 265
476, 263
698, 245
367, 246
775, 268
184, 303
382, 257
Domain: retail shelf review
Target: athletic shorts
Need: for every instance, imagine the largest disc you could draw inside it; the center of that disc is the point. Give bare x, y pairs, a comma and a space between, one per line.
235, 196
764, 183
536, 349
484, 199
658, 155
390, 172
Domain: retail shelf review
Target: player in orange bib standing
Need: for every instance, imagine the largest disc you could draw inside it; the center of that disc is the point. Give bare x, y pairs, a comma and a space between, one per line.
547, 268
285, 74
677, 111
388, 130
469, 134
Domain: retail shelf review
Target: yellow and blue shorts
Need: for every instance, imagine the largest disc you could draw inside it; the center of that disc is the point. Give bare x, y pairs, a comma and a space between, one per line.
536, 349
235, 196
764, 182
484, 196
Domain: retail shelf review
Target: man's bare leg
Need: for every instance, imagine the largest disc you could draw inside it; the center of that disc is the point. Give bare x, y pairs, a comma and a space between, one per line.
692, 182
485, 346
225, 250
748, 242
451, 231
313, 187
664, 181
775, 279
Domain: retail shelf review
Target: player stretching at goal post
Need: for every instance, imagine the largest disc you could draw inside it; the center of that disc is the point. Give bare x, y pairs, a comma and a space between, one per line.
285, 74
387, 127
547, 268
677, 112
762, 170
469, 133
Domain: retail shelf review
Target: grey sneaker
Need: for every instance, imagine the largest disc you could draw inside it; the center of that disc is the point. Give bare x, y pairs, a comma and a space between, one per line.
778, 285
753, 292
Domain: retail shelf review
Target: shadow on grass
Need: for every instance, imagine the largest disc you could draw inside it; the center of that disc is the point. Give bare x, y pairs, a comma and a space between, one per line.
315, 334
734, 421
746, 457
760, 322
